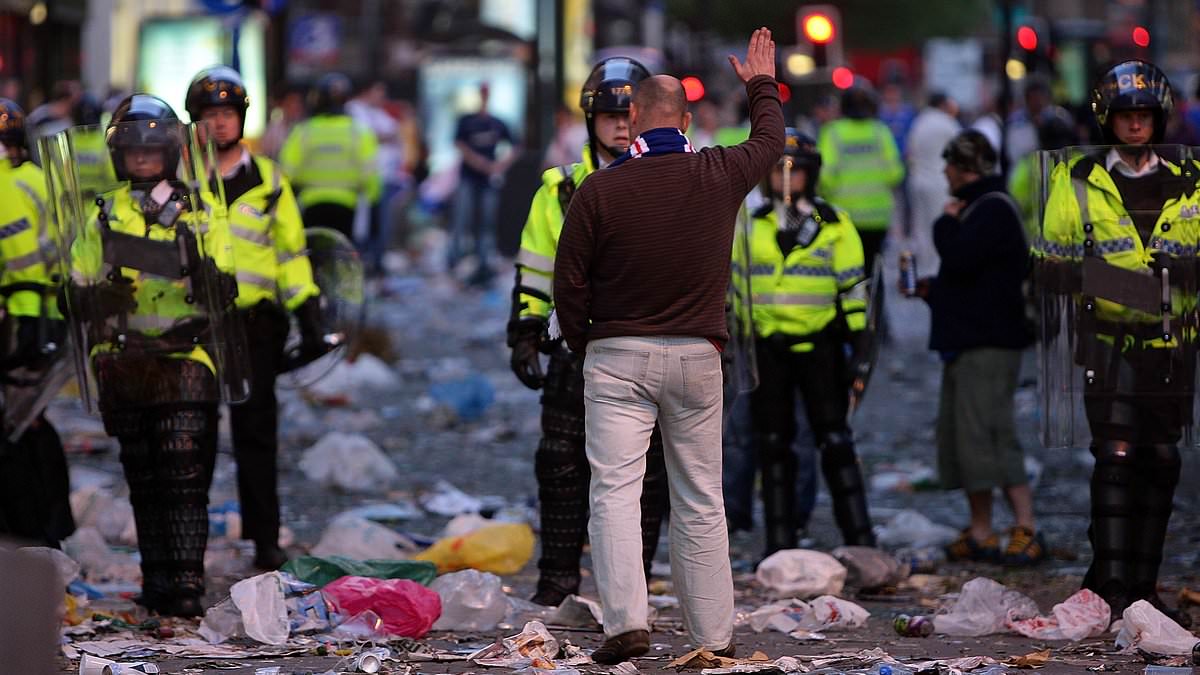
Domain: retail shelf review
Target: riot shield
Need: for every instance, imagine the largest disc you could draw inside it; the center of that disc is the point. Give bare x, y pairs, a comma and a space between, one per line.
147, 257
1118, 293
338, 272
740, 367
866, 351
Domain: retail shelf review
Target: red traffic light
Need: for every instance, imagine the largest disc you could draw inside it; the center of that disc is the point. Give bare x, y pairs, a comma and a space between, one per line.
1141, 36
843, 77
693, 88
785, 93
818, 28
1027, 37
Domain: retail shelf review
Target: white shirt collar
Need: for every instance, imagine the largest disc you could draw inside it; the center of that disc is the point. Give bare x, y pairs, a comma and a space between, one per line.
1113, 159
243, 161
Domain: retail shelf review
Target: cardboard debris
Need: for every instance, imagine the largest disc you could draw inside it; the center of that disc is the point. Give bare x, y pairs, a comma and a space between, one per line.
1030, 660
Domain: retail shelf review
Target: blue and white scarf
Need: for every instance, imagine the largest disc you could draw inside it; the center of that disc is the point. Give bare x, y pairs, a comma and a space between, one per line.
660, 141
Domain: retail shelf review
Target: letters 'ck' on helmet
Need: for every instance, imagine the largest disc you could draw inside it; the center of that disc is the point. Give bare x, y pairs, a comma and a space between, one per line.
1132, 85
803, 150
970, 150
609, 88
217, 86
330, 94
144, 121
12, 124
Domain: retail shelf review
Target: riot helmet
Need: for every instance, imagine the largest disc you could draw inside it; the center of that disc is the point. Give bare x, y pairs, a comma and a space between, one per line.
12, 129
1132, 85
609, 88
144, 122
971, 151
329, 95
800, 152
218, 86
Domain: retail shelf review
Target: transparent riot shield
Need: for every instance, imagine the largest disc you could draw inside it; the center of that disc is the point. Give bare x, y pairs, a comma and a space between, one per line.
147, 258
1118, 293
866, 351
740, 368
338, 271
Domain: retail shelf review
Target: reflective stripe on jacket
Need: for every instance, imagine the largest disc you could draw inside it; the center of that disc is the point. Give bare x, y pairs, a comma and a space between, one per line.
860, 166
331, 160
28, 253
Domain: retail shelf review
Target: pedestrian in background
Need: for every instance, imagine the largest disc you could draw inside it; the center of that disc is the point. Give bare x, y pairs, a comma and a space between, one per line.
932, 129
640, 282
477, 137
978, 326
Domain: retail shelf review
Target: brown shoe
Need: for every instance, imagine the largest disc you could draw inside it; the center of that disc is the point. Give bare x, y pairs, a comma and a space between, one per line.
622, 647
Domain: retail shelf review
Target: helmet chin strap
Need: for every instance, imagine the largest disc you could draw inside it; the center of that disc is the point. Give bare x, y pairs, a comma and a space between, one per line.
229, 145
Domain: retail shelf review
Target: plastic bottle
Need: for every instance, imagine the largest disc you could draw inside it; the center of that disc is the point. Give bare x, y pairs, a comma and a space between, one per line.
908, 273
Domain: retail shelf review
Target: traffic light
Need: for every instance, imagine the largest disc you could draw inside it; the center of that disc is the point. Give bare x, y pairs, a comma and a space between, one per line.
693, 88
819, 29
1141, 36
1033, 48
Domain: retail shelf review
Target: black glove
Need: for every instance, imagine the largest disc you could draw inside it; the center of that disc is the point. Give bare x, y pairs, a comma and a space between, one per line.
312, 331
525, 336
858, 362
109, 298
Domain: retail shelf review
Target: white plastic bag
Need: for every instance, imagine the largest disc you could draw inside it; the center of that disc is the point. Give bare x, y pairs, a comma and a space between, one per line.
362, 539
801, 573
577, 612
95, 506
824, 613
1083, 615
349, 462
98, 562
533, 642
261, 603
471, 601
221, 622
913, 530
1146, 629
984, 607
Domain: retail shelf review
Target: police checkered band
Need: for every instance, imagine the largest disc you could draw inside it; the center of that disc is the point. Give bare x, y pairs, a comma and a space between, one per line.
804, 271
1176, 248
849, 274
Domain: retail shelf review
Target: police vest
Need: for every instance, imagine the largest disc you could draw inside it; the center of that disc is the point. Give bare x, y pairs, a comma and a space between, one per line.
331, 160
860, 166
268, 243
798, 294
27, 251
539, 238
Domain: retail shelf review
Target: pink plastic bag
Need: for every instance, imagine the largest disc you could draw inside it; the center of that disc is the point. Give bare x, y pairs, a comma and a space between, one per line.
407, 608
1083, 615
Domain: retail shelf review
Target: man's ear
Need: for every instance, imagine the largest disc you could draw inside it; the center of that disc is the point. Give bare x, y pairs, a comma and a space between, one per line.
633, 115
687, 122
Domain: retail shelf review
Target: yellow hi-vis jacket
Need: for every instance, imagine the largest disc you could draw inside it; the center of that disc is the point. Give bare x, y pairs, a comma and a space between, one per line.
28, 254
331, 160
539, 238
799, 294
268, 242
161, 302
860, 166
1109, 232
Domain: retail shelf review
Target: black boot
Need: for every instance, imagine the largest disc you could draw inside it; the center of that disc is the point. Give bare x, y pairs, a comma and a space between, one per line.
186, 438
778, 466
656, 500
1158, 468
843, 477
1113, 527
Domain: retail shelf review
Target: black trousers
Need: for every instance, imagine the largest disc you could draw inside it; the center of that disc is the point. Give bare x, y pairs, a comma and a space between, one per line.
254, 424
35, 500
334, 216
1136, 407
563, 476
168, 452
820, 378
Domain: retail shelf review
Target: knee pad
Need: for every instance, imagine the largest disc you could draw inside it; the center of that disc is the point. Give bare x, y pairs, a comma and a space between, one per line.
1114, 478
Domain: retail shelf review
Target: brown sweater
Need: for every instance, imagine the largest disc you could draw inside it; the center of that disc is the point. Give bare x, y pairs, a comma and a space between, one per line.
645, 247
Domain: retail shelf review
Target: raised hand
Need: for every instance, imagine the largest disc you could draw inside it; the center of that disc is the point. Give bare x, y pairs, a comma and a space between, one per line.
760, 57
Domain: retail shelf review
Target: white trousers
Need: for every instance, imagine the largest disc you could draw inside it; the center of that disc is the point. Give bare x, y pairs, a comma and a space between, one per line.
629, 383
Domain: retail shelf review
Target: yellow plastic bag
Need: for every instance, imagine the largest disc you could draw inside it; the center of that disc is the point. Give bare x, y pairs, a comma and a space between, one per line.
504, 548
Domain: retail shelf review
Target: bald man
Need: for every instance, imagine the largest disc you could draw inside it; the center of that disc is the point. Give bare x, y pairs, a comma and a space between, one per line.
639, 285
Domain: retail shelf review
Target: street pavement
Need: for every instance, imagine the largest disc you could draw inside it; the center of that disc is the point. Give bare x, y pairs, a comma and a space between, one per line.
442, 332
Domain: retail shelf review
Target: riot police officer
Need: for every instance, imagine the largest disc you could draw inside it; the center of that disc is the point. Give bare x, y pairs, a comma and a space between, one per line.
560, 463
34, 500
331, 159
150, 298
274, 277
805, 260
1116, 264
